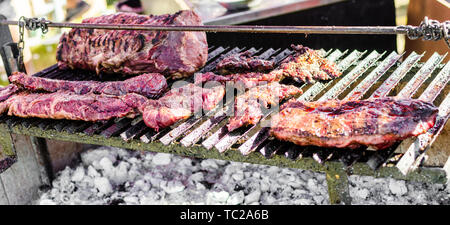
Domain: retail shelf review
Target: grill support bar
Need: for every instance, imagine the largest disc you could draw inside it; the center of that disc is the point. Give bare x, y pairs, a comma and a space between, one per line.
433, 175
337, 183
7, 153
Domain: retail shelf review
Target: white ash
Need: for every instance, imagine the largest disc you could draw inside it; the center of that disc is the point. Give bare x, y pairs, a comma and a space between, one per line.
117, 176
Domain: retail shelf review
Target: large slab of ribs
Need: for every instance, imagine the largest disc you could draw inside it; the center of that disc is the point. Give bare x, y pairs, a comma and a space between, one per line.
174, 54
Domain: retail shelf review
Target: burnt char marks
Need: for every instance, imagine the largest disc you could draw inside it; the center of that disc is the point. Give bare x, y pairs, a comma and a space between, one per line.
157, 38
59, 53
125, 46
113, 44
141, 41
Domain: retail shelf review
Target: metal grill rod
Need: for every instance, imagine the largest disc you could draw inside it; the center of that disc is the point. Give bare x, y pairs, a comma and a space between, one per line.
223, 28
376, 74
416, 151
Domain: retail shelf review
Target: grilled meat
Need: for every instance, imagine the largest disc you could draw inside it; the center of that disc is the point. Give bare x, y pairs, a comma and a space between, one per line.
307, 65
180, 103
243, 80
248, 105
175, 54
7, 91
378, 122
242, 63
150, 85
67, 105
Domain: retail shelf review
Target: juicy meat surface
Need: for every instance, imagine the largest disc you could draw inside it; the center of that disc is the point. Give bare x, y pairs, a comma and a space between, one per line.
378, 122
243, 80
175, 54
243, 62
180, 103
247, 106
150, 85
307, 65
67, 105
7, 91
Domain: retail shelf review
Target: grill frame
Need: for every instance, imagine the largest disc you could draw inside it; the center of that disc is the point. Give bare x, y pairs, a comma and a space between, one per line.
336, 163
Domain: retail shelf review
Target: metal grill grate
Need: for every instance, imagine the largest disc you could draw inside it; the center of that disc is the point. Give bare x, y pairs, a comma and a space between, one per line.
365, 74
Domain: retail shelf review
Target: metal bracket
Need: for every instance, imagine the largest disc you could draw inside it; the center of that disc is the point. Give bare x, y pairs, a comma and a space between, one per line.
7, 152
337, 182
8, 49
9, 53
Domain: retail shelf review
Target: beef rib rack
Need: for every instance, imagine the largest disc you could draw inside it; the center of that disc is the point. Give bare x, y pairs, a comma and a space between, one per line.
175, 54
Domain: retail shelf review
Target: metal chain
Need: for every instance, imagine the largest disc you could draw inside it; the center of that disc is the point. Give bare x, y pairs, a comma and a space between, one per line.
21, 43
35, 23
429, 30
30, 24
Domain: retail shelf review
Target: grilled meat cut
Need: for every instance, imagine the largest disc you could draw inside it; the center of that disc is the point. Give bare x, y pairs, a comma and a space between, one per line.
307, 65
247, 106
180, 103
7, 91
67, 105
378, 122
150, 85
175, 54
242, 63
243, 80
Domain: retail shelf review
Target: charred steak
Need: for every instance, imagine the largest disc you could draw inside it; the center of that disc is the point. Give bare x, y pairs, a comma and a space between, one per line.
247, 106
180, 103
175, 54
150, 85
67, 105
378, 122
307, 65
242, 63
